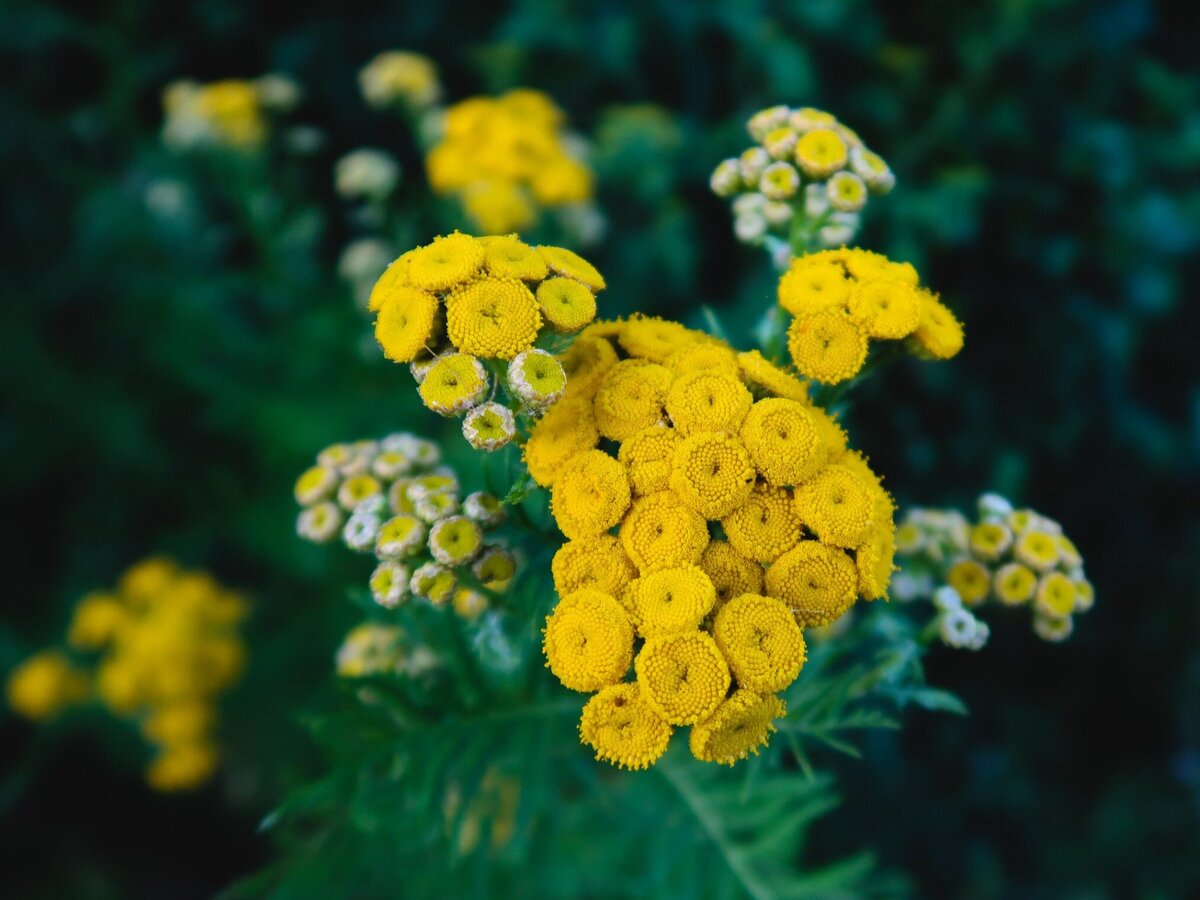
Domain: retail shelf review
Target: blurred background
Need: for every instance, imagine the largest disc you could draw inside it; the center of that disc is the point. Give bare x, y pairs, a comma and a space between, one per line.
178, 346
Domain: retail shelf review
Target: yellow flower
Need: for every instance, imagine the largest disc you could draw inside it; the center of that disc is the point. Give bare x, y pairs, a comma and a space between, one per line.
631, 396
821, 152
144, 581
659, 532
96, 620
730, 573
566, 430
44, 685
710, 357
817, 582
740, 726
827, 346
648, 337
448, 261
1085, 594
757, 370
406, 323
598, 563
571, 265
939, 334
1055, 595
389, 584
586, 362
1053, 629
1037, 549
971, 580
119, 683
468, 603
497, 204
670, 600
707, 401
808, 288
623, 728
320, 522
588, 641
494, 568
566, 304
782, 439
433, 582
780, 142
536, 378
507, 256
833, 436
765, 526
885, 309
399, 76
990, 540
837, 505
1014, 584
354, 491
177, 723
561, 181
682, 676
1068, 553
456, 382
647, 458
590, 495
494, 318
779, 181
846, 192
712, 473
761, 641
875, 561
182, 767
455, 541
489, 426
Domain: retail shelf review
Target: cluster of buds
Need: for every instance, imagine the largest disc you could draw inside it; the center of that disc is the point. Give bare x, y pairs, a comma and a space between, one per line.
1012, 557
230, 113
803, 184
393, 499
379, 648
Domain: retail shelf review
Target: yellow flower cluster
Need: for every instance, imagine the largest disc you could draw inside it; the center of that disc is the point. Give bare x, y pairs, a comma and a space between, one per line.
1012, 557
465, 313
712, 512
805, 180
400, 78
505, 157
842, 300
229, 113
391, 498
159, 649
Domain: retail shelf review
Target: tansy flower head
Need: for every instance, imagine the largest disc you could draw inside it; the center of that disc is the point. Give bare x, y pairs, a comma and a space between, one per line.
599, 563
711, 357
1068, 553
566, 304
180, 767
483, 508
670, 600
494, 318
567, 429
827, 346
871, 168
623, 728
875, 560
726, 178
817, 582
455, 540
779, 181
821, 152
751, 164
588, 641
494, 568
765, 526
707, 401
837, 505
590, 495
780, 143
939, 334
399, 536
536, 378
783, 440
319, 523
990, 540
682, 676
971, 580
1085, 593
808, 288
655, 339
406, 323
489, 426
435, 507
660, 531
448, 261
767, 120
1055, 595
468, 603
647, 458
358, 489
712, 473
571, 265
1037, 549
433, 582
769, 378
846, 191
731, 573
740, 726
885, 309
1052, 629
1014, 584
44, 685
586, 362
360, 531
399, 76
96, 620
509, 256
315, 485
389, 584
761, 641
632, 396
456, 382
390, 464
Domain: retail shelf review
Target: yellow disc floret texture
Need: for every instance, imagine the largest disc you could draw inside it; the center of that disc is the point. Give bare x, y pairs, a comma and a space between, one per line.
588, 641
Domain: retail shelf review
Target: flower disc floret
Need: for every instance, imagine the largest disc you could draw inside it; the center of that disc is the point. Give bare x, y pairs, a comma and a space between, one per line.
623, 728
707, 401
761, 641
590, 495
588, 641
448, 261
827, 346
494, 318
682, 676
783, 440
765, 526
660, 531
455, 383
712, 473
837, 505
671, 600
817, 582
741, 726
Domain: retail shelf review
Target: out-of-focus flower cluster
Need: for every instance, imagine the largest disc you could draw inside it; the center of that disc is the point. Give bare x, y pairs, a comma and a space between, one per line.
465, 313
804, 182
159, 650
391, 498
400, 78
379, 648
505, 158
842, 300
712, 512
1005, 556
230, 113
